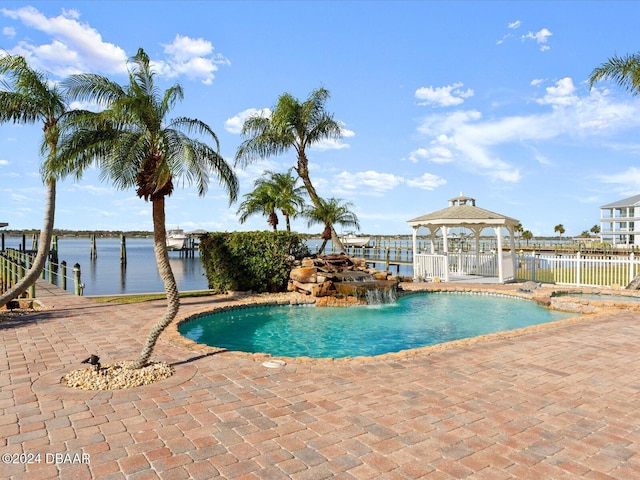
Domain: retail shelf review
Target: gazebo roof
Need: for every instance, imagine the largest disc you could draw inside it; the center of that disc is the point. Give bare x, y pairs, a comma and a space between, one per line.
3, 224
462, 211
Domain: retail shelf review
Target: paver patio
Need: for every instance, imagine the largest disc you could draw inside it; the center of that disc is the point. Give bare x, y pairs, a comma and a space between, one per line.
560, 402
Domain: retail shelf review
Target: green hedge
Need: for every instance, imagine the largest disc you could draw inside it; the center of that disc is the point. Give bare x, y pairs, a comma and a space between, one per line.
243, 261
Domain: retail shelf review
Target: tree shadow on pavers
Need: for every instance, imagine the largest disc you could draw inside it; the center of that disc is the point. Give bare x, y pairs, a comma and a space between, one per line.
8, 321
198, 357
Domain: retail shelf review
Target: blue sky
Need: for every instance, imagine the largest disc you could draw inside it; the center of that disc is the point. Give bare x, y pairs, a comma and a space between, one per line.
435, 98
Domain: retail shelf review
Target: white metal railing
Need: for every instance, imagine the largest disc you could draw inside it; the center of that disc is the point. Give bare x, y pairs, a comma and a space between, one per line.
570, 269
580, 270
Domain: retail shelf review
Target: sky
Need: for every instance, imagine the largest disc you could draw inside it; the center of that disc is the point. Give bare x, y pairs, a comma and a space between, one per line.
435, 99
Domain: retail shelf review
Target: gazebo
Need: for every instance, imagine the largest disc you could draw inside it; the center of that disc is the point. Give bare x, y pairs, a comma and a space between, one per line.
442, 263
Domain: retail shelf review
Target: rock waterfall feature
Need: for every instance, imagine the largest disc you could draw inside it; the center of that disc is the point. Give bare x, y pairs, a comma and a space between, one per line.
339, 280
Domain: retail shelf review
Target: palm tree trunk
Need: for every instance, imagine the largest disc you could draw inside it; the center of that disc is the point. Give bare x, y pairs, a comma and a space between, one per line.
324, 244
43, 249
303, 172
164, 268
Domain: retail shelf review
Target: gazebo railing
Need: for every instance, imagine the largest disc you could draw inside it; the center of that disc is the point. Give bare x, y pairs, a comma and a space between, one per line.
441, 265
470, 263
429, 266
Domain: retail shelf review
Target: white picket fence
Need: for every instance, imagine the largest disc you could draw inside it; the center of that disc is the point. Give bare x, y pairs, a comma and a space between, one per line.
569, 269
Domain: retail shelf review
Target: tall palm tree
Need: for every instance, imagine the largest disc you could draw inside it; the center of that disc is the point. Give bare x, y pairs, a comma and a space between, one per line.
261, 200
27, 96
331, 212
292, 124
624, 71
560, 229
134, 147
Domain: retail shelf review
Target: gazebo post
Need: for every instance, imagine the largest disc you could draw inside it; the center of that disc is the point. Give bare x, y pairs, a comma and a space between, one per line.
499, 253
476, 235
512, 235
445, 248
415, 251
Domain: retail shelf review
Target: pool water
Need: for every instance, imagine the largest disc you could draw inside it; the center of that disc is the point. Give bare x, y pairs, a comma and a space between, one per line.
410, 322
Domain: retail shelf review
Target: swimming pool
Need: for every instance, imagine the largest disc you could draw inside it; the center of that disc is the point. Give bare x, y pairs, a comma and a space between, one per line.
332, 332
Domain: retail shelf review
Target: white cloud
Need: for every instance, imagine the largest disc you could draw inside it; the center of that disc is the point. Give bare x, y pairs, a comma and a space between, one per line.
369, 183
540, 37
563, 93
192, 57
479, 145
4, 162
510, 26
334, 143
447, 96
427, 181
9, 32
92, 189
75, 47
437, 154
234, 124
628, 181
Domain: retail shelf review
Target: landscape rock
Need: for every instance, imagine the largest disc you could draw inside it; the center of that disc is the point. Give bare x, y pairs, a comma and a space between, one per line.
304, 274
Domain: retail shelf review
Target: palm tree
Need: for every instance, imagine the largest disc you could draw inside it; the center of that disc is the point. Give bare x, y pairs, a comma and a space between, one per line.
527, 235
261, 200
291, 125
329, 213
27, 96
288, 194
560, 229
595, 229
624, 71
518, 229
273, 191
133, 147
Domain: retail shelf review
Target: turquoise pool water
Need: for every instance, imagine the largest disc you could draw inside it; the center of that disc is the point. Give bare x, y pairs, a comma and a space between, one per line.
411, 322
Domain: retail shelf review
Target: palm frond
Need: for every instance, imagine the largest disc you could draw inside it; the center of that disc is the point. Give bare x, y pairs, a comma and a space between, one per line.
624, 71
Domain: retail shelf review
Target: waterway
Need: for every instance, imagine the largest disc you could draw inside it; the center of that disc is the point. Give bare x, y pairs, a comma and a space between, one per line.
105, 275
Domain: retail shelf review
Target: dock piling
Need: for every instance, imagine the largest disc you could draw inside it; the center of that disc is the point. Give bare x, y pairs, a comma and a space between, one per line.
93, 252
123, 250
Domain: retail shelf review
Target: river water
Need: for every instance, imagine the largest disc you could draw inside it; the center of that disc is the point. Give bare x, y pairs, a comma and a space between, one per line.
104, 275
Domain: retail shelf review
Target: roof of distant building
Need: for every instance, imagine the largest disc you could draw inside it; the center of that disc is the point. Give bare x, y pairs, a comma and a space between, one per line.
627, 202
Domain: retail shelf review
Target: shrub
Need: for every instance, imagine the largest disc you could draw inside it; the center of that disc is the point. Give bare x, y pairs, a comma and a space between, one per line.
242, 261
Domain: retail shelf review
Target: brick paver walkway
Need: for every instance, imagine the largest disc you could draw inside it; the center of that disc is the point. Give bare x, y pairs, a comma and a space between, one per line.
562, 402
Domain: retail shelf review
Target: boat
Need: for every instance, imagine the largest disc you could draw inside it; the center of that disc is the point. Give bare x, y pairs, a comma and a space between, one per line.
353, 240
176, 239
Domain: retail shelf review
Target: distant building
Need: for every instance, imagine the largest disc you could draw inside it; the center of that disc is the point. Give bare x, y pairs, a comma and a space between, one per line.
620, 222
2, 224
